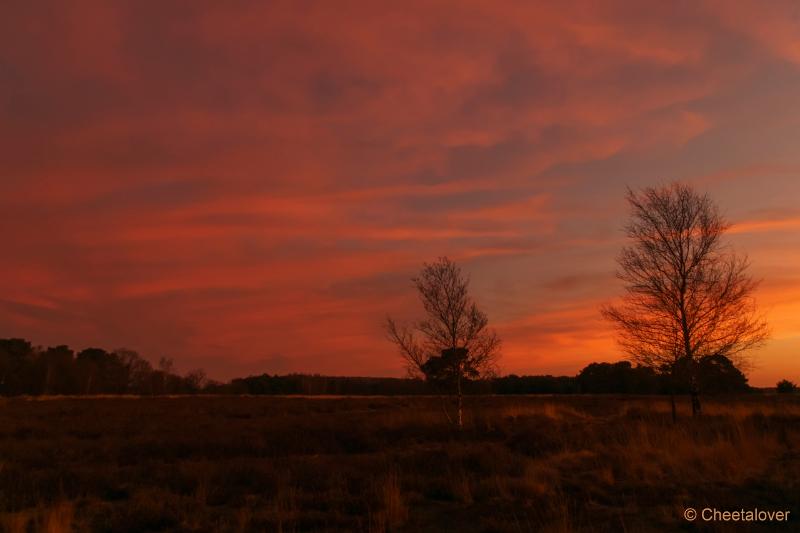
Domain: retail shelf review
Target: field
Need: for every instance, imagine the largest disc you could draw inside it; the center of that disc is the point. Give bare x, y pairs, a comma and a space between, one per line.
375, 464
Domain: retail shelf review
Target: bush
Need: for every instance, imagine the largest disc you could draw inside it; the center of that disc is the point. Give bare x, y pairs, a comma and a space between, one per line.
785, 386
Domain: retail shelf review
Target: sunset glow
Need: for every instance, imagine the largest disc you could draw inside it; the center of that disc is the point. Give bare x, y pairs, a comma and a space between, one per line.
248, 187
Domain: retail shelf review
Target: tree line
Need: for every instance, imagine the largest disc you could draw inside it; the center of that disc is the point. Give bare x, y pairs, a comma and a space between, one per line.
26, 369
718, 376
29, 370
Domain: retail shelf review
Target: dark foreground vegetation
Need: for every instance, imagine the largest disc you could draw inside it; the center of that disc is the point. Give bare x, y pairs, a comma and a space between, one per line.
568, 463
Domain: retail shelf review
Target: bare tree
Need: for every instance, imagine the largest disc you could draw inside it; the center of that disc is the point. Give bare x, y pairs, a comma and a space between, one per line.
196, 380
453, 342
688, 296
137, 370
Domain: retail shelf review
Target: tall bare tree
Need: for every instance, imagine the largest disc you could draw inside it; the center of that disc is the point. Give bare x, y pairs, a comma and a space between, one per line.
453, 342
688, 295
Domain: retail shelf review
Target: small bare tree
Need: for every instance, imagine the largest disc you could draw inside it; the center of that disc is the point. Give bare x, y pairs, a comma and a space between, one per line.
688, 296
453, 342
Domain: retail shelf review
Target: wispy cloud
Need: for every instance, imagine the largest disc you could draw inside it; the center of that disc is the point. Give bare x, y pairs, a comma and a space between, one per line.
197, 179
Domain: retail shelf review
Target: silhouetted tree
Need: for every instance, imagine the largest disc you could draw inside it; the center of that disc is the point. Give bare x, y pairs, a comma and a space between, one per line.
137, 370
687, 295
162, 381
618, 378
718, 375
57, 370
101, 372
16, 366
195, 380
785, 386
453, 342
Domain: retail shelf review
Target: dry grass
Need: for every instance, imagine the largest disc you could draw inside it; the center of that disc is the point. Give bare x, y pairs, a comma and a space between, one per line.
56, 518
389, 464
59, 518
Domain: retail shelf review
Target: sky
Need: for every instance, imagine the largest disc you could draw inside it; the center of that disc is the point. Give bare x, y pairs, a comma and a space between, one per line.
249, 186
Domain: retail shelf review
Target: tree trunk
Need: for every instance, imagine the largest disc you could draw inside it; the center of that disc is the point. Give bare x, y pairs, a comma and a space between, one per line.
672, 380
674, 409
695, 400
444, 408
460, 406
694, 389
695, 403
48, 380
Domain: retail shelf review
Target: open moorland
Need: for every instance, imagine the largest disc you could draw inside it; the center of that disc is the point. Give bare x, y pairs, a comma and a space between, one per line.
543, 463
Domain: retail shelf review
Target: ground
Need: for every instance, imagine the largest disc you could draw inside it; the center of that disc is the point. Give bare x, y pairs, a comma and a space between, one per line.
539, 463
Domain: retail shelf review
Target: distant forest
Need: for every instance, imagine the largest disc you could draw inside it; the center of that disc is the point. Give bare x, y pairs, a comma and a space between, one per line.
29, 370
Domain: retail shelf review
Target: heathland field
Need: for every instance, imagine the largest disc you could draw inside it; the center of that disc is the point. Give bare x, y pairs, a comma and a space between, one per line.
569, 463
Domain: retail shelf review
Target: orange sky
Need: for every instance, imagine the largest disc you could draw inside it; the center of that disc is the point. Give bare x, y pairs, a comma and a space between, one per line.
248, 187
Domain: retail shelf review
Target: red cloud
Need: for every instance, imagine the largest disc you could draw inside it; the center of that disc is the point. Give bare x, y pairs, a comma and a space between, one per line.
254, 184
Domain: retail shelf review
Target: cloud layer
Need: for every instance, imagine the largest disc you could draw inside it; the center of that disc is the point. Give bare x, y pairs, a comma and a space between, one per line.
249, 186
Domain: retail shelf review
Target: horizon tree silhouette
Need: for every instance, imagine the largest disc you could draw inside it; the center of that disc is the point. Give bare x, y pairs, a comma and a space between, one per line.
785, 386
688, 295
453, 342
